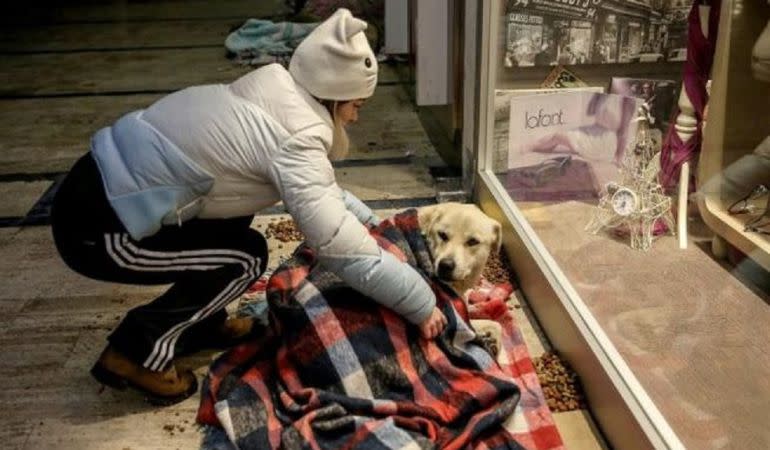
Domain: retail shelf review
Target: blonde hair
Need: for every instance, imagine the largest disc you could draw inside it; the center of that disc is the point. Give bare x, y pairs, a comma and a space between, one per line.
340, 140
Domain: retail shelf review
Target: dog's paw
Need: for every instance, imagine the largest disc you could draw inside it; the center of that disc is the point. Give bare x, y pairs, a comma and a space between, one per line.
488, 341
488, 335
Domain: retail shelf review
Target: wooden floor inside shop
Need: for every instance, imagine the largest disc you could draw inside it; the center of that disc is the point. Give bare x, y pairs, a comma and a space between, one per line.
68, 70
692, 329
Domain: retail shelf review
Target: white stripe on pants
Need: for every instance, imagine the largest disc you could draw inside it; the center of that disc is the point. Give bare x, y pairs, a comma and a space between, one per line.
127, 255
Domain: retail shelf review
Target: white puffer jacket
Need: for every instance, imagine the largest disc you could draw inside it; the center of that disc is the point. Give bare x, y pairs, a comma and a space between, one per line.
220, 151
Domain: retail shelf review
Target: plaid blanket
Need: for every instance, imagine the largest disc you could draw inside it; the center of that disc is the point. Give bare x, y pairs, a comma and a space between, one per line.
335, 370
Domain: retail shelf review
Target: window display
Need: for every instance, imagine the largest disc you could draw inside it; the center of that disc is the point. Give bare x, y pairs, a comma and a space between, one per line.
560, 85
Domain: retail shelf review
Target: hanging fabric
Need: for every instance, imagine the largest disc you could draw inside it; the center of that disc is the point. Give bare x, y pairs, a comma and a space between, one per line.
695, 75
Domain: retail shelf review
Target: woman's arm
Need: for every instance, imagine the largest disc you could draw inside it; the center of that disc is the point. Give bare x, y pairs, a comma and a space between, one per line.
363, 213
304, 177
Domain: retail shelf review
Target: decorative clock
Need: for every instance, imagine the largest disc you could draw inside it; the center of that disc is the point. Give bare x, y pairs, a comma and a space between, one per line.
636, 205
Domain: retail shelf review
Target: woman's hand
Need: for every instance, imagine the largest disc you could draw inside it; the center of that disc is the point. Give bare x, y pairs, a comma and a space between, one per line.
433, 325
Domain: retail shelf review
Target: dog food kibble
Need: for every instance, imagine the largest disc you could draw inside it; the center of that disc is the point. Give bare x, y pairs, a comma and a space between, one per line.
498, 269
285, 231
560, 384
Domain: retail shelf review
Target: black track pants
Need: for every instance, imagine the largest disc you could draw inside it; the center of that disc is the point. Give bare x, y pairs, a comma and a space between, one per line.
208, 262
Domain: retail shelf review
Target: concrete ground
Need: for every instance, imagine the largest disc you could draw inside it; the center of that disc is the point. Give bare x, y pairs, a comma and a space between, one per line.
67, 71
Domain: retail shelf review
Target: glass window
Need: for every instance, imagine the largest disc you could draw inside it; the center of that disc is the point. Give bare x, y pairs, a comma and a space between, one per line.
576, 101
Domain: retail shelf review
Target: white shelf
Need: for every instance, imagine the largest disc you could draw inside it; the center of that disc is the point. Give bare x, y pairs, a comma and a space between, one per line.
738, 120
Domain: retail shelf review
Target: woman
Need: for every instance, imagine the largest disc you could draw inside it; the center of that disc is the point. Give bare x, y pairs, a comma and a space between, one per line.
166, 195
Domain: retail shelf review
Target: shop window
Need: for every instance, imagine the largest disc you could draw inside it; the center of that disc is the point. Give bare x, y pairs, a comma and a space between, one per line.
573, 95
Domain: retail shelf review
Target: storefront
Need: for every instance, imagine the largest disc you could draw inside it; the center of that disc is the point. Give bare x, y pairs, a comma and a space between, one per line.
549, 32
674, 35
669, 344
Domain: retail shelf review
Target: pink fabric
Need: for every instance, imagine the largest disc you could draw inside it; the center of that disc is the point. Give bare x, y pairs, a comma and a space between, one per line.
487, 300
695, 74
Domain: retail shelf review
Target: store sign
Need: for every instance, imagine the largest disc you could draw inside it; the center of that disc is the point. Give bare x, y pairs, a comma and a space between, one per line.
543, 119
579, 9
525, 18
565, 145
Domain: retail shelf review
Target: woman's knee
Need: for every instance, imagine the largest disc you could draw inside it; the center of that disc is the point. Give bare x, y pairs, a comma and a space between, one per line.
256, 245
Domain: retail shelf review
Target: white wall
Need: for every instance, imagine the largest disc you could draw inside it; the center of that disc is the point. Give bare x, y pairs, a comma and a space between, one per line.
433, 43
396, 26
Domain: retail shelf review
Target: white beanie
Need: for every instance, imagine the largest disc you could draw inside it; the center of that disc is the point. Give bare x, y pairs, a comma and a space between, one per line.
335, 62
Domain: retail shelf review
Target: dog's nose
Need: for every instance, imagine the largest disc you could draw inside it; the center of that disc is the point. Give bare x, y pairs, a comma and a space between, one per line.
445, 268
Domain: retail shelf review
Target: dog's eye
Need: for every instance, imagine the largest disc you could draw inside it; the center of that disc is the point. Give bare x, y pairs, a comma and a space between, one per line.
472, 242
443, 236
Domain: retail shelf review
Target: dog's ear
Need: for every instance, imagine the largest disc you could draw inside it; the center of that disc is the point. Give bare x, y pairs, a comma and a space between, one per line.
498, 232
427, 216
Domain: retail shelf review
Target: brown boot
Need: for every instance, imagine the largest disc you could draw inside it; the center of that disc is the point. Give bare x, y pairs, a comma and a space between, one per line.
161, 388
236, 328
219, 336
233, 331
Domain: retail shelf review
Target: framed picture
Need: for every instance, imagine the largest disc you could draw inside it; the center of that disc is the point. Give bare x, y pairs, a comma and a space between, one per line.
551, 32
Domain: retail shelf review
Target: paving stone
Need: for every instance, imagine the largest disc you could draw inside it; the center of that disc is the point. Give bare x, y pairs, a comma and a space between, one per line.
29, 357
14, 432
120, 72
115, 35
146, 430
48, 134
20, 196
578, 431
117, 11
388, 125
32, 269
128, 71
384, 182
6, 234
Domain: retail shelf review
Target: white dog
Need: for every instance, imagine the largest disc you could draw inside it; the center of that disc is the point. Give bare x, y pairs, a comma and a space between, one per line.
461, 238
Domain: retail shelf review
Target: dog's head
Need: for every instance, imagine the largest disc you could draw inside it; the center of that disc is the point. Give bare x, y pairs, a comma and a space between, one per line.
461, 238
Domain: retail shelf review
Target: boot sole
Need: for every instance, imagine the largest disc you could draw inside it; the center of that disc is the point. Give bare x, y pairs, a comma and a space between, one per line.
115, 381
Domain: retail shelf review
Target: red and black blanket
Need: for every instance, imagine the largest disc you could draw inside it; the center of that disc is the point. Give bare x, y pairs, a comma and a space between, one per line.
336, 371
